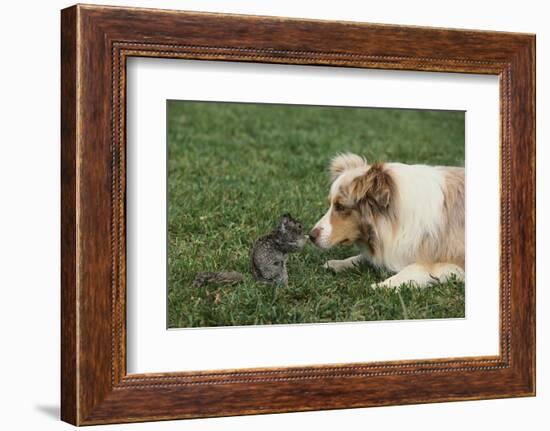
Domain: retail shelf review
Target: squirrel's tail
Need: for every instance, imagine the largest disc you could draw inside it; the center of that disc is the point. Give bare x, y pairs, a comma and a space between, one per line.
224, 277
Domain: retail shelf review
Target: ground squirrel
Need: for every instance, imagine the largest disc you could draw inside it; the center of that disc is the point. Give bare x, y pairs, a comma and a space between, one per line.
268, 256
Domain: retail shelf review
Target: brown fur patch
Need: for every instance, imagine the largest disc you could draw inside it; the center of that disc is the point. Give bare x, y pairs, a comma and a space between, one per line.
375, 187
448, 246
346, 226
454, 215
369, 238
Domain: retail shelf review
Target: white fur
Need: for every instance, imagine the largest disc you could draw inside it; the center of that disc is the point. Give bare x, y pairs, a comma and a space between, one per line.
420, 206
422, 275
326, 229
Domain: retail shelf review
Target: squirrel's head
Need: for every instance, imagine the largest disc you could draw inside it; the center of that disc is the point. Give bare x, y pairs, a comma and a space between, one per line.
290, 232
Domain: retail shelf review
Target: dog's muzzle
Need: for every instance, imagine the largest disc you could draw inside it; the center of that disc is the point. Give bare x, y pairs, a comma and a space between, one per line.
314, 234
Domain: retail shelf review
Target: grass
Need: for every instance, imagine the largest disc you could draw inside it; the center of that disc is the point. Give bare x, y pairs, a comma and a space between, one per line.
233, 169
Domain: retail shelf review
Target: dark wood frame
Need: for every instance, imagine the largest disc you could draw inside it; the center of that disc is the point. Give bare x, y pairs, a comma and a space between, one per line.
95, 43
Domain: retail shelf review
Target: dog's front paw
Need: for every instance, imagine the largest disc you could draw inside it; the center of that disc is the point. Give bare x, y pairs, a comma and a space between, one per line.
334, 265
378, 285
387, 284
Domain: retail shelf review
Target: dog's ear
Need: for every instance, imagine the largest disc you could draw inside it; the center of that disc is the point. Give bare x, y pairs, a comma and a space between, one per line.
345, 161
375, 187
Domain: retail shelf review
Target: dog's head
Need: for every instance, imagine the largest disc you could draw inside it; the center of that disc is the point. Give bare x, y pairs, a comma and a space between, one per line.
360, 195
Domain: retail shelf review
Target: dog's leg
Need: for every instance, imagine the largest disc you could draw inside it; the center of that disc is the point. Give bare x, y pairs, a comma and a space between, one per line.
422, 275
342, 265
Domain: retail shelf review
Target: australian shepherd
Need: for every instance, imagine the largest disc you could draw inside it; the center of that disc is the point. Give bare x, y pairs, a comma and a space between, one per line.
408, 219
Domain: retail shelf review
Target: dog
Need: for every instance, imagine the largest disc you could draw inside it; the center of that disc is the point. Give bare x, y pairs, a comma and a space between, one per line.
407, 219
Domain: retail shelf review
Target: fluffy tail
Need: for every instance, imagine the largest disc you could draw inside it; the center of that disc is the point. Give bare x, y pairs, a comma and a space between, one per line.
224, 277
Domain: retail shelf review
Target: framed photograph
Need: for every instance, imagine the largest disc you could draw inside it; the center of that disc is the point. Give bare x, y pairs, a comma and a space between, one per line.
263, 214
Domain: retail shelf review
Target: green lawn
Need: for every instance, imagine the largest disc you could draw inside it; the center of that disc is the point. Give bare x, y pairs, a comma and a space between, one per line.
233, 169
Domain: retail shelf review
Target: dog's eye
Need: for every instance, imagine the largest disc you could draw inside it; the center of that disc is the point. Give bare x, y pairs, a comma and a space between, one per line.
339, 207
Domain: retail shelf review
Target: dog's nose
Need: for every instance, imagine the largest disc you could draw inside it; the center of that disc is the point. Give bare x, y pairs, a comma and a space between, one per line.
314, 234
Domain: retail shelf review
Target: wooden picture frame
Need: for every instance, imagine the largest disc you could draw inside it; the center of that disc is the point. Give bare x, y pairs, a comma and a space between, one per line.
95, 43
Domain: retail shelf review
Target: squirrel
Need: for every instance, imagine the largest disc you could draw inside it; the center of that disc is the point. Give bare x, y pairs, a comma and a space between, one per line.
268, 256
